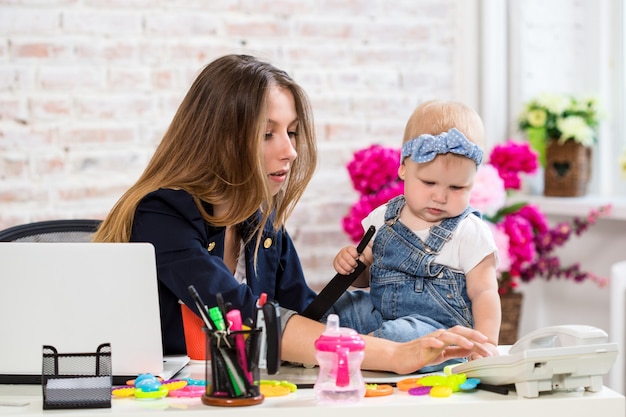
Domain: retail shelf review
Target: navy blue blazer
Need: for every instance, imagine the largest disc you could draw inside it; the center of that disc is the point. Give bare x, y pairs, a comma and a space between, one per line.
189, 251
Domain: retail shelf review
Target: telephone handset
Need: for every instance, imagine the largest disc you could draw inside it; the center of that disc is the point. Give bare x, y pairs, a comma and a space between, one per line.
559, 336
548, 359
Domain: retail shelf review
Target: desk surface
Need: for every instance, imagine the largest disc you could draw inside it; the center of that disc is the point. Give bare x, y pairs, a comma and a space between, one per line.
572, 404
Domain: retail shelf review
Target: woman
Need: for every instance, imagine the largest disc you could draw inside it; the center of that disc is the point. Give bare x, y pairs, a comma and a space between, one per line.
214, 200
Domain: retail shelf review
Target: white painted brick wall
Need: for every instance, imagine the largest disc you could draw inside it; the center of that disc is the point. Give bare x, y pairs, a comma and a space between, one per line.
87, 87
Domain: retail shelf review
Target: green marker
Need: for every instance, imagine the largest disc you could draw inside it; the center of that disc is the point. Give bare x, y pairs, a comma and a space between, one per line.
236, 381
217, 318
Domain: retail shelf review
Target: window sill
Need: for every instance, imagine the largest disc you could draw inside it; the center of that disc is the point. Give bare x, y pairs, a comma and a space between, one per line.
575, 206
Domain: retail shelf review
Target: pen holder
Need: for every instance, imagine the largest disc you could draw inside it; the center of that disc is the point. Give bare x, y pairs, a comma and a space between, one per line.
233, 368
76, 380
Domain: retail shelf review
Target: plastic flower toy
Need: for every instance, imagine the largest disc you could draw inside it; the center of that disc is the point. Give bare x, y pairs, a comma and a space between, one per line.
523, 236
559, 117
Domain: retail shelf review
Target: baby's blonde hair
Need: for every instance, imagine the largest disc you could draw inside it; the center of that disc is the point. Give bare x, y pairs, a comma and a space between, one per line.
434, 117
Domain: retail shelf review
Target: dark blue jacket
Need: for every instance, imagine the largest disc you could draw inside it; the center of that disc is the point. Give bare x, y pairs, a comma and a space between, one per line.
189, 251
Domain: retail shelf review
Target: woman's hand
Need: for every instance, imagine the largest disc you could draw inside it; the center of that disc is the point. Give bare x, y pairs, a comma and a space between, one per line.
493, 349
439, 346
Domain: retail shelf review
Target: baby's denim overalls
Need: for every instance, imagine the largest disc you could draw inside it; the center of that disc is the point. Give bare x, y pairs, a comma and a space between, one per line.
414, 294
410, 295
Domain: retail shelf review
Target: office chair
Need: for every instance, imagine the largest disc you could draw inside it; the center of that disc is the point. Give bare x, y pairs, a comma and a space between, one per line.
70, 230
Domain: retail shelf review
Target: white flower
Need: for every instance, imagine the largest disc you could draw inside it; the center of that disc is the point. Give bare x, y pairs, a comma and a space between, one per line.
555, 103
575, 127
562, 117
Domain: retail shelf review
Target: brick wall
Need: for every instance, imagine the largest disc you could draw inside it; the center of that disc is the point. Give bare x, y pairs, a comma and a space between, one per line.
87, 87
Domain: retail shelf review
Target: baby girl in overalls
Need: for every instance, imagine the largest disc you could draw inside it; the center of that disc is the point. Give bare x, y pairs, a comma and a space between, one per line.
432, 263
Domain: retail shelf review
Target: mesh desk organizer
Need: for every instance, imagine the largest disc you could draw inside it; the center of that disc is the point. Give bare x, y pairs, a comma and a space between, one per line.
231, 384
237, 354
76, 380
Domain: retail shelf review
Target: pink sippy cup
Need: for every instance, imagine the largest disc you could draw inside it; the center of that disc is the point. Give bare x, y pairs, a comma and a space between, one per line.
339, 352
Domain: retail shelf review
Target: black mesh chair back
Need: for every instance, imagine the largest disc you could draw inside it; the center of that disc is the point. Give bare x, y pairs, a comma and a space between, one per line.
72, 230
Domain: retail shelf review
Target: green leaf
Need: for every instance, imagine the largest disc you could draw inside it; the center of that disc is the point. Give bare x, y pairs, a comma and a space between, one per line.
513, 208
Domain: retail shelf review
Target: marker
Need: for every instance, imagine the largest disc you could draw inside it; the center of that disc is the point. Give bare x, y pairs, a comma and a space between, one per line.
260, 323
217, 318
237, 384
234, 318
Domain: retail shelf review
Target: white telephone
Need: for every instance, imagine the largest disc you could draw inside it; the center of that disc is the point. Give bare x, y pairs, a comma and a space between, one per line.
547, 359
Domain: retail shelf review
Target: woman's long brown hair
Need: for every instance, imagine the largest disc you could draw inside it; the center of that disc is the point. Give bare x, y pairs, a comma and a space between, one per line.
212, 149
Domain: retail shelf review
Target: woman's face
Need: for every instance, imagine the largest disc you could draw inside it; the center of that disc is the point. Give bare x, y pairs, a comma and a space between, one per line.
280, 137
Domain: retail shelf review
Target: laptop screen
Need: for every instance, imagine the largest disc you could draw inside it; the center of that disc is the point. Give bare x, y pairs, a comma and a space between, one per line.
74, 297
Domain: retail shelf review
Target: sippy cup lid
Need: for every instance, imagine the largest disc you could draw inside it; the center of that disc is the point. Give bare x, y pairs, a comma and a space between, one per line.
335, 337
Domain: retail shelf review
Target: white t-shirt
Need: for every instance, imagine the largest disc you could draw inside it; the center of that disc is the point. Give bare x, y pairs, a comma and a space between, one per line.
471, 241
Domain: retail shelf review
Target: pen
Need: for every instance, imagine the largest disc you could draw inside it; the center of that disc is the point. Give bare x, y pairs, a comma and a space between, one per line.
234, 318
223, 374
201, 306
253, 350
238, 384
221, 304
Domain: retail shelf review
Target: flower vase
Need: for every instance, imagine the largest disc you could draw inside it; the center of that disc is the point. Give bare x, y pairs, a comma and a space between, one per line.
568, 169
511, 313
534, 183
537, 140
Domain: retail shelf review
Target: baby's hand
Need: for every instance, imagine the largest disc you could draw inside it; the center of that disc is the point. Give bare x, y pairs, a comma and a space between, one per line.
345, 261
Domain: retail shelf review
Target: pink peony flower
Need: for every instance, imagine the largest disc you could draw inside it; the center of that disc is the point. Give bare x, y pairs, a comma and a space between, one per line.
368, 202
488, 195
502, 243
373, 168
511, 159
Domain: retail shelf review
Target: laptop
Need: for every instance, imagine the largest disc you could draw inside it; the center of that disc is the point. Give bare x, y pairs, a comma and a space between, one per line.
75, 297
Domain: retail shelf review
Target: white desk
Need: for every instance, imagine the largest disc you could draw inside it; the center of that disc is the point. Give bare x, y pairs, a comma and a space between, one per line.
607, 403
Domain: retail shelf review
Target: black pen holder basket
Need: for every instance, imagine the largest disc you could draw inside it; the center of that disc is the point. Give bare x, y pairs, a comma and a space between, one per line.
233, 371
76, 380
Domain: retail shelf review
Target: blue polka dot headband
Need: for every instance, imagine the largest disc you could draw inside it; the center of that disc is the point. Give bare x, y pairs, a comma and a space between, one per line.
424, 148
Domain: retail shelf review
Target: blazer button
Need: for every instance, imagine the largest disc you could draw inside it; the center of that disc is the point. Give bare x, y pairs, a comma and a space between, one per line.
211, 246
267, 243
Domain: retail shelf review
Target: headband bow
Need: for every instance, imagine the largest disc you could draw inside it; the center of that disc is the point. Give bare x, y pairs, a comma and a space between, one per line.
425, 147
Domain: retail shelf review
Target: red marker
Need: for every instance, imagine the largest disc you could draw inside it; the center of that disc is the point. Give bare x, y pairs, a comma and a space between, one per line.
260, 324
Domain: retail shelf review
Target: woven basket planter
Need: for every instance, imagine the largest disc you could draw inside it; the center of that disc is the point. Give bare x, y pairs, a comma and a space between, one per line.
568, 169
511, 313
